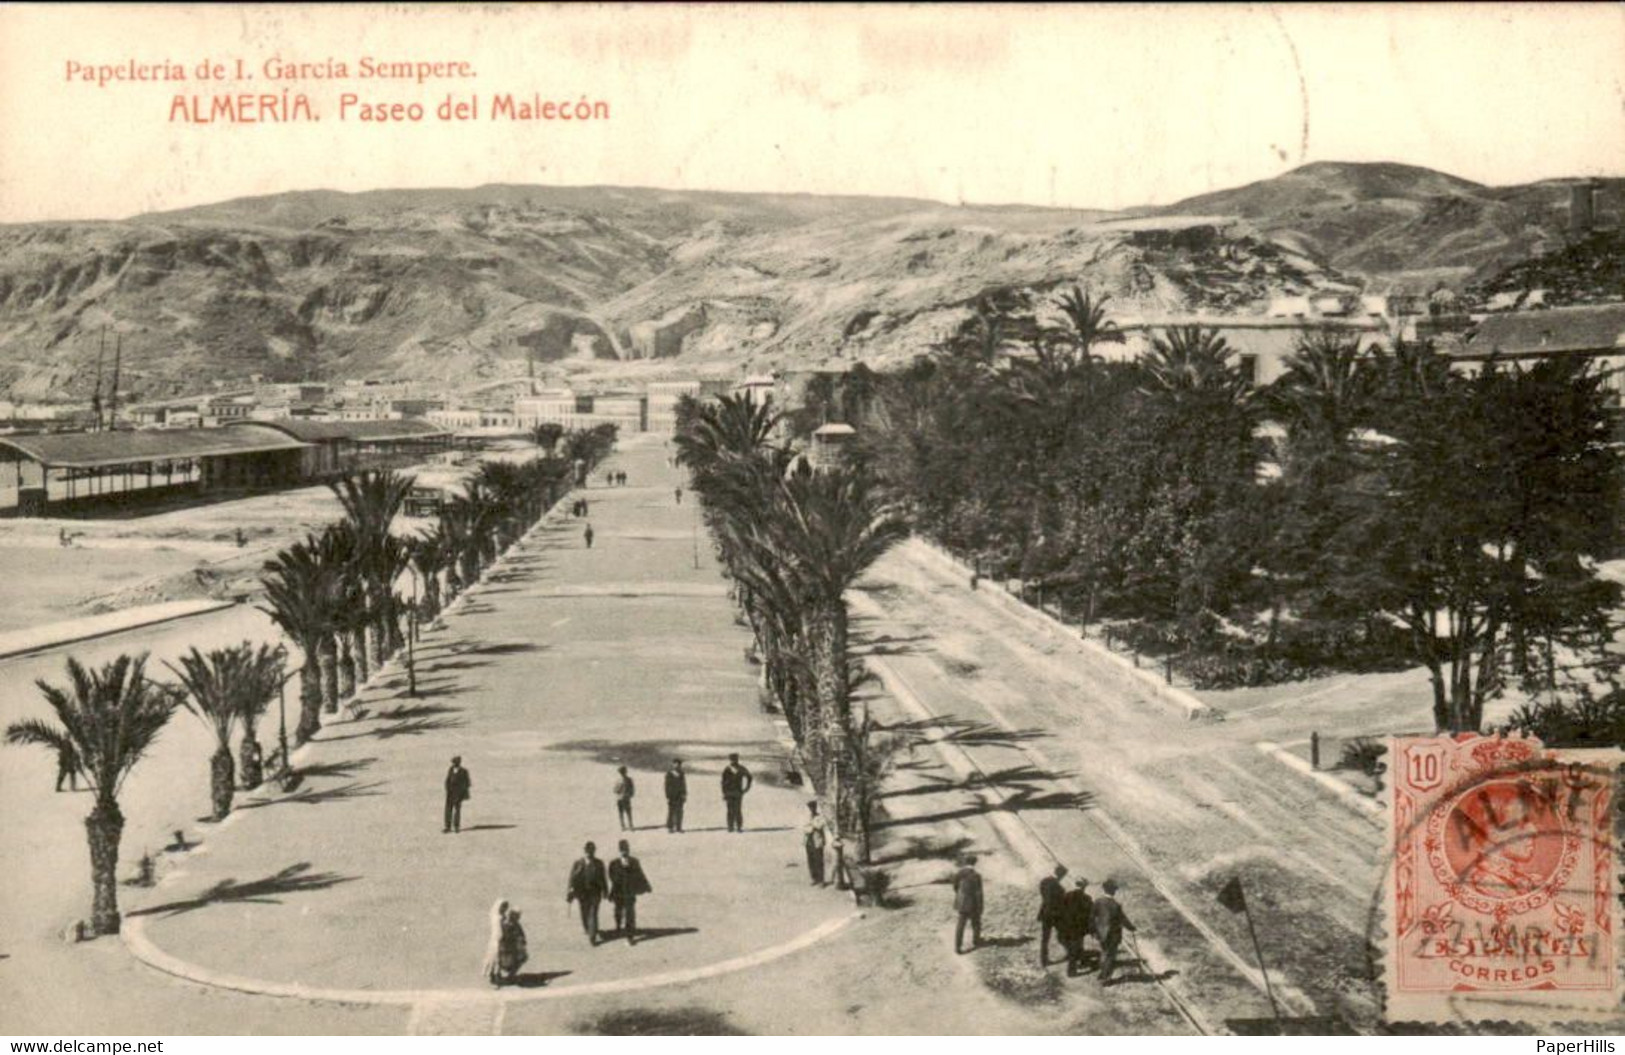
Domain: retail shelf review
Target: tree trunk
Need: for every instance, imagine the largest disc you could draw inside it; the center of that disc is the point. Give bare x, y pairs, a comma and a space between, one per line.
379, 635
328, 660
222, 782
358, 649
104, 828
310, 694
827, 639
252, 762
346, 667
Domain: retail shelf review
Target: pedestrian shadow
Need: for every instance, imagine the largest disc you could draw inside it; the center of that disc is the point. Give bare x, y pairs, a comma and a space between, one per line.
1006, 942
294, 879
310, 797
489, 827
647, 933
538, 979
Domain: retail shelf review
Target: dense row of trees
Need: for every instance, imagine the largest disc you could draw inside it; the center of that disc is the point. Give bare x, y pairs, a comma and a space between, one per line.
1369, 505
792, 540
335, 594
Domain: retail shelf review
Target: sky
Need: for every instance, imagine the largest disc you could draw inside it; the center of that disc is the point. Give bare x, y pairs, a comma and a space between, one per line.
1090, 107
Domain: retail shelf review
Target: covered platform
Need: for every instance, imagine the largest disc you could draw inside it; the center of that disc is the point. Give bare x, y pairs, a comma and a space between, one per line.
333, 448
90, 473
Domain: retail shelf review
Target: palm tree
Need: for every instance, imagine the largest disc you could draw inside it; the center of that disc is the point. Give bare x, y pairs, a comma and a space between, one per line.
729, 427
430, 554
1190, 360
1325, 393
299, 590
547, 435
221, 689
263, 678
831, 526
1088, 320
372, 500
109, 718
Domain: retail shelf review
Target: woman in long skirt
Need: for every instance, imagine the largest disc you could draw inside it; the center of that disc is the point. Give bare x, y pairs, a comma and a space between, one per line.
512, 953
493, 948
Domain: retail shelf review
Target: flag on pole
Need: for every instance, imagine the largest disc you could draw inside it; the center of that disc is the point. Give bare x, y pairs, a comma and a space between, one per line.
1231, 896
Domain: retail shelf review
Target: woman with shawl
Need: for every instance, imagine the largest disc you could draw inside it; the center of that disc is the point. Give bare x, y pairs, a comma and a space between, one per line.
493, 948
512, 953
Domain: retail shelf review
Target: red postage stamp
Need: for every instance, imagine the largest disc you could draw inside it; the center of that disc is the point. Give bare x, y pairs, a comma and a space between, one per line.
1501, 892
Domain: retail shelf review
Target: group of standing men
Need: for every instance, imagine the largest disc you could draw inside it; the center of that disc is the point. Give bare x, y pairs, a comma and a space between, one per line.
1070, 915
736, 784
1073, 915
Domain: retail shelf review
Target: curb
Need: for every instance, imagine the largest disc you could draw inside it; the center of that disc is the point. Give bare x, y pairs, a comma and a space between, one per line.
1368, 808
1192, 708
214, 606
134, 936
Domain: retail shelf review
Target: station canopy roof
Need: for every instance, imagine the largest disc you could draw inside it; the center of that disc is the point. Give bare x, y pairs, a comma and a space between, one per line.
90, 450
308, 430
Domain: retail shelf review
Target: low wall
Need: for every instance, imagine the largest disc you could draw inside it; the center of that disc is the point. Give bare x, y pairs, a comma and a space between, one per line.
1106, 663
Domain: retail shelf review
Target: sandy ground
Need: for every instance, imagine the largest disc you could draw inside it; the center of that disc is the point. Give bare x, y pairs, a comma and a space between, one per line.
1192, 804
183, 552
572, 661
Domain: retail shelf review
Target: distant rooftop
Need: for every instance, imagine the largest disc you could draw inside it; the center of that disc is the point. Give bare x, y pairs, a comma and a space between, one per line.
88, 450
1586, 328
355, 431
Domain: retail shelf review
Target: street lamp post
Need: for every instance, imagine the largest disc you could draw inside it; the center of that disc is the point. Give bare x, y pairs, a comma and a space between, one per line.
282, 727
412, 637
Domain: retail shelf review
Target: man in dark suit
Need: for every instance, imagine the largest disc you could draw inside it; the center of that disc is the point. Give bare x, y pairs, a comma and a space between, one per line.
1050, 895
627, 883
736, 781
587, 887
676, 795
1077, 914
458, 788
1109, 922
814, 834
967, 903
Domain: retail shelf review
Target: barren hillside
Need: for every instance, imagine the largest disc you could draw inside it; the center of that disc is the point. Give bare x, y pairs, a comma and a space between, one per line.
464, 285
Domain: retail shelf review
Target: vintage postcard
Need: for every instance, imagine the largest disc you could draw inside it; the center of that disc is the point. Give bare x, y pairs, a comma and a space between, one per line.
566, 520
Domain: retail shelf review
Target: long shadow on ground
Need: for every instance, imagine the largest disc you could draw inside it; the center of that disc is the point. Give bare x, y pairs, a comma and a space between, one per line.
964, 732
346, 768
294, 879
653, 756
312, 797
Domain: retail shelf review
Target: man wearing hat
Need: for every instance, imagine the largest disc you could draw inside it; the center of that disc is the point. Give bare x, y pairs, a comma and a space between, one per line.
1051, 893
458, 786
967, 903
1109, 921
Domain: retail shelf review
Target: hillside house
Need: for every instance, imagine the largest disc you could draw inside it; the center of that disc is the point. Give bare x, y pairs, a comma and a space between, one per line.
1596, 331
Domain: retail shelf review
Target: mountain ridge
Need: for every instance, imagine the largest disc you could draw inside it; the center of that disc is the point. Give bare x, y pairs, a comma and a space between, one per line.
460, 284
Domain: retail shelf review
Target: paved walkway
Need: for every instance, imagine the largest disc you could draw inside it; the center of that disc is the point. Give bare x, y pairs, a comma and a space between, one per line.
566, 664
71, 631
